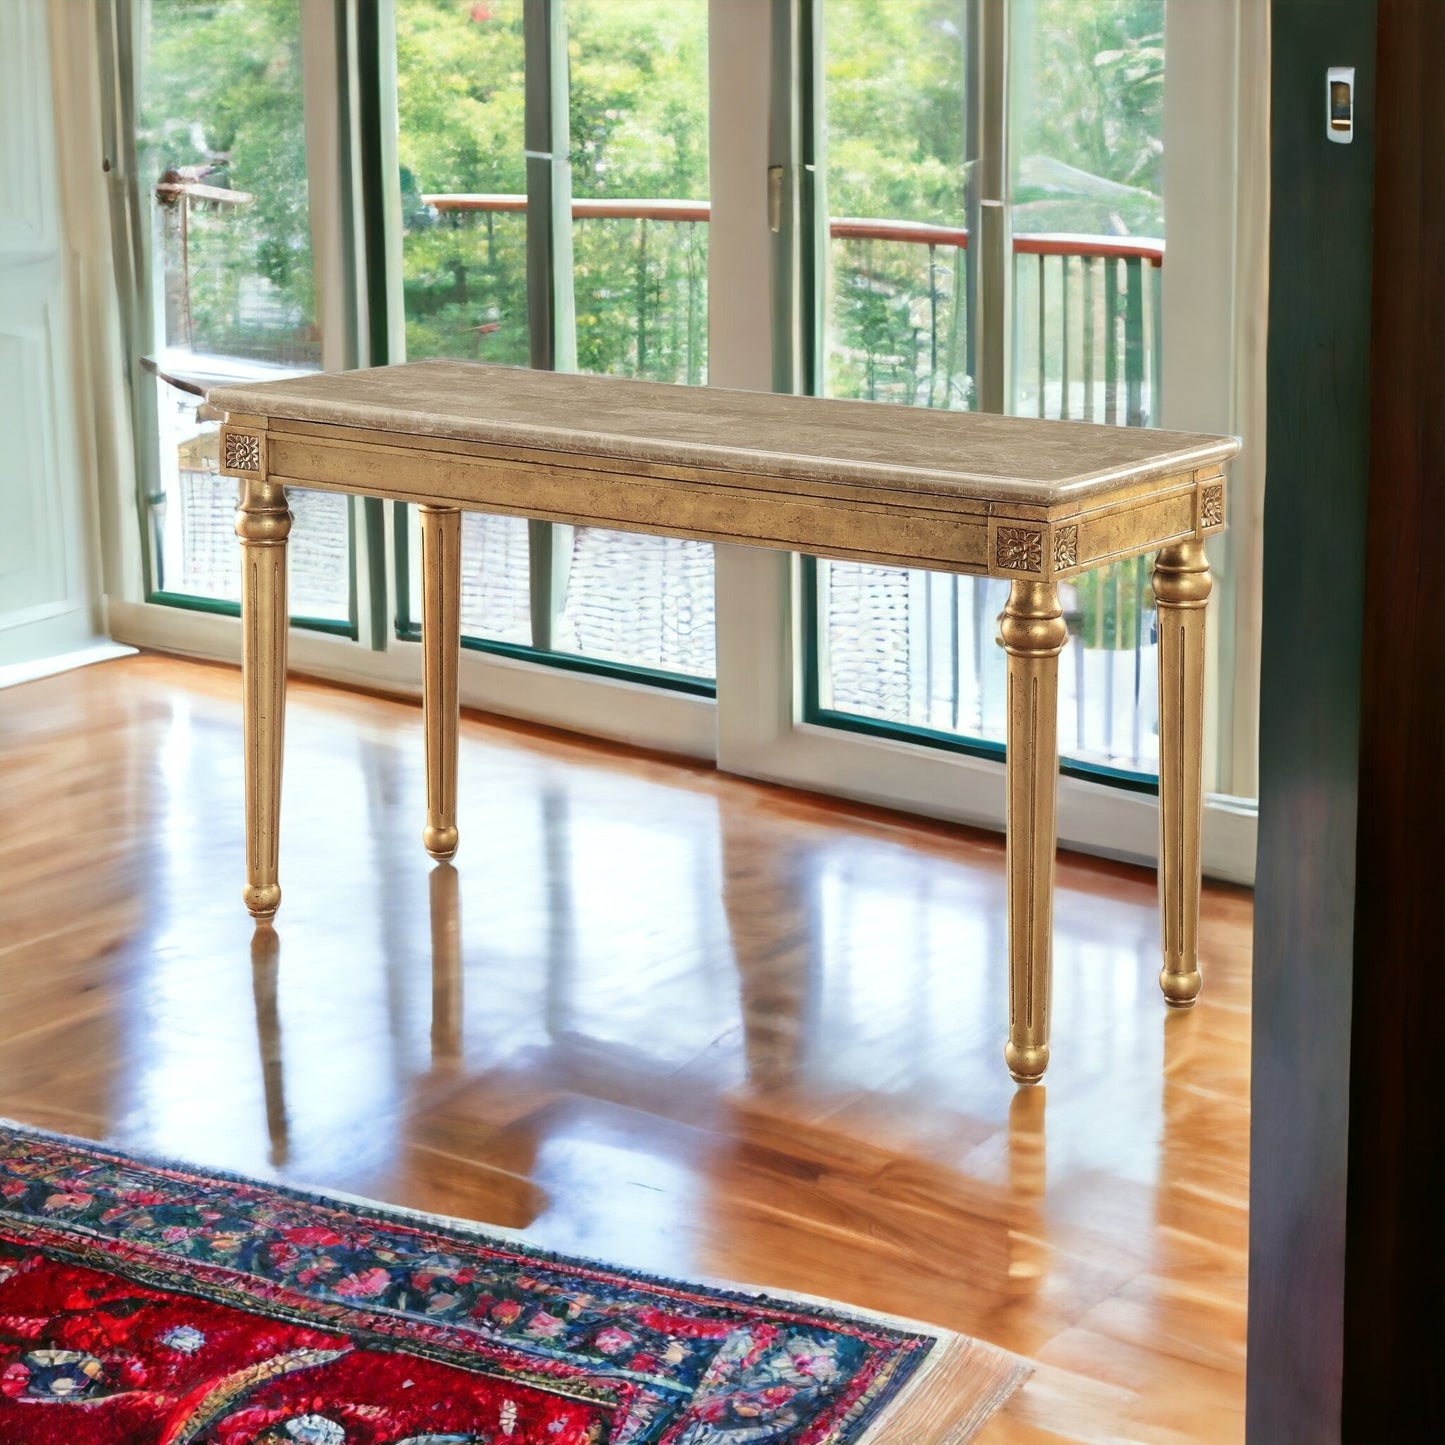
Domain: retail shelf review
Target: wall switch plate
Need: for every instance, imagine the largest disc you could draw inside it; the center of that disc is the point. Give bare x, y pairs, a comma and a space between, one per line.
1340, 103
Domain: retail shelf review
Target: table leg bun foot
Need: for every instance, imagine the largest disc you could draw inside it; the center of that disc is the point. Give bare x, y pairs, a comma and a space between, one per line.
1180, 989
263, 899
1026, 1062
441, 843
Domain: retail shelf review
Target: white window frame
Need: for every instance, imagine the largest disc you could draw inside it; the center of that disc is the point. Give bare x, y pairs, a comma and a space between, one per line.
754, 727
617, 709
761, 732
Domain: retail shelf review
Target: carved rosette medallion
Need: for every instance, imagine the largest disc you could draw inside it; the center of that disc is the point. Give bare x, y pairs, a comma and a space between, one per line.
240, 452
1066, 548
1019, 549
1211, 506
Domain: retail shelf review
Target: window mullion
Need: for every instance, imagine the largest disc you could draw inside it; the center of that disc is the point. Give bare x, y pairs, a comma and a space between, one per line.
551, 311
796, 199
751, 345
120, 47
992, 290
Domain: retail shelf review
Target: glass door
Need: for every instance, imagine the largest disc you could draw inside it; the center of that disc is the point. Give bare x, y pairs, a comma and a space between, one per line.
907, 112
638, 101
896, 146
634, 78
221, 167
1088, 242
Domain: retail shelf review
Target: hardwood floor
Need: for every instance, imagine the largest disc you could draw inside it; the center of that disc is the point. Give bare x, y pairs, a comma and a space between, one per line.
654, 1014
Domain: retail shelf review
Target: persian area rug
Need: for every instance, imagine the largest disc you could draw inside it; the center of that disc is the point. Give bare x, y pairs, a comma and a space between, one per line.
146, 1304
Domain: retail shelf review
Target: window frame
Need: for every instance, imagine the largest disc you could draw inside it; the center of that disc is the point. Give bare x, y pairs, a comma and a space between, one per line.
132, 217
811, 710
408, 629
774, 729
756, 721
551, 316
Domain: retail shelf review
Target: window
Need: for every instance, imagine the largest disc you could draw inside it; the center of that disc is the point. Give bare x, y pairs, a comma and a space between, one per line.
573, 182
638, 102
461, 96
914, 651
634, 303
221, 155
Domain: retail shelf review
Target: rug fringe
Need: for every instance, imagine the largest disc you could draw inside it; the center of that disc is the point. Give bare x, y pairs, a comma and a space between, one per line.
961, 1385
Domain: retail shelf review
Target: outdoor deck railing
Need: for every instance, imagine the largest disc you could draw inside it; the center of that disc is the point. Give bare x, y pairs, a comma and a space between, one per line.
906, 648
1086, 347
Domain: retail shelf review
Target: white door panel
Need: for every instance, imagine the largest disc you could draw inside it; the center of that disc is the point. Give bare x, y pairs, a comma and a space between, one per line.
46, 601
35, 570
29, 209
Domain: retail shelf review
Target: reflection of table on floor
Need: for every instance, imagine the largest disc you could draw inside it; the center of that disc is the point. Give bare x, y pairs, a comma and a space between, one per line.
1029, 501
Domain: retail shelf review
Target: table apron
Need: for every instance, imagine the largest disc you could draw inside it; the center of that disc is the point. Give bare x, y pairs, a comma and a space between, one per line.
977, 538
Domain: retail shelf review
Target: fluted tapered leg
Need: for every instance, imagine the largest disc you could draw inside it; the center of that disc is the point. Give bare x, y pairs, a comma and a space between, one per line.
1181, 588
263, 524
441, 601
1033, 634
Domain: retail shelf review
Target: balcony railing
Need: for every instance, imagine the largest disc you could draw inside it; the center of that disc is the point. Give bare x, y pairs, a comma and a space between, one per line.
915, 649
896, 648
1087, 345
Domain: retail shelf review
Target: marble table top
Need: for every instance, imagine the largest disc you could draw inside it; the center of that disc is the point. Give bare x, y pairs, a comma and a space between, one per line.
786, 438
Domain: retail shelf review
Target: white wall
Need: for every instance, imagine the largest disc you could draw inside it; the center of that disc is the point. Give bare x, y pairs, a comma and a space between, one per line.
49, 597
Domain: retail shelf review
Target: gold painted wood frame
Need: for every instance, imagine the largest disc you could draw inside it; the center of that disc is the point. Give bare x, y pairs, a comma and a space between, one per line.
1030, 501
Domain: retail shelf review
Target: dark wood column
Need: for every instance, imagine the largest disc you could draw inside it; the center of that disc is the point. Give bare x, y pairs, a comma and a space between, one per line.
1395, 1231
1347, 1254
1315, 510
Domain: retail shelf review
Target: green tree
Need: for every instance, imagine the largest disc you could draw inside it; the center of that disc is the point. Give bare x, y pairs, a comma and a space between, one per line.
639, 129
221, 93
638, 109
1089, 116
1087, 81
460, 103
895, 108
220, 102
895, 92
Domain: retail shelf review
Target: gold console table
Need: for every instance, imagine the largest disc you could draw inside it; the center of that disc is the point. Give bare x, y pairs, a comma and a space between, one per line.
1029, 501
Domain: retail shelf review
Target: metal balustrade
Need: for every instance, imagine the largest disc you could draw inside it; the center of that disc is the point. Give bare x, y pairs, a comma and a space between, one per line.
895, 648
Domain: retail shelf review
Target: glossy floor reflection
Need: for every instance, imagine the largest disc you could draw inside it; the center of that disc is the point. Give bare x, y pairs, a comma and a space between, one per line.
654, 1015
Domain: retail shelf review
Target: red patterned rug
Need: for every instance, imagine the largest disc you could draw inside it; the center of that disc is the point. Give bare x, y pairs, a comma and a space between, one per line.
146, 1304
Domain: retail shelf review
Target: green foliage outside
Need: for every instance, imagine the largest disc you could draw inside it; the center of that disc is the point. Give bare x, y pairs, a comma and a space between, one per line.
1088, 100
639, 128
219, 103
1089, 122
1087, 91
638, 115
460, 96
895, 79
894, 98
895, 145
221, 95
